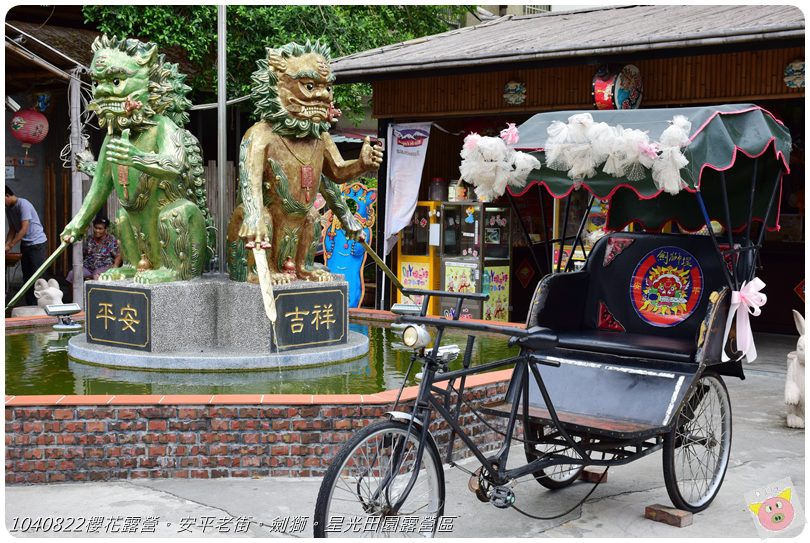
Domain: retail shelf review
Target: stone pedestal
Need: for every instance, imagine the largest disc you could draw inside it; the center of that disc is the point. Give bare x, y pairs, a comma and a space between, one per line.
213, 323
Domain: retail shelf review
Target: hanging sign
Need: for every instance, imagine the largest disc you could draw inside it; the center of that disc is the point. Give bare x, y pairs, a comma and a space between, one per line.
407, 147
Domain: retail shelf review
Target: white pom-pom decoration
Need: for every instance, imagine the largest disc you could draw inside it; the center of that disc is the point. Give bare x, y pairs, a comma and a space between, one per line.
522, 164
667, 169
677, 133
555, 146
490, 165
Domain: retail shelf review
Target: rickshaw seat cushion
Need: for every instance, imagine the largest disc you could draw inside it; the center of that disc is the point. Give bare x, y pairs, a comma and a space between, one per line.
614, 300
594, 309
624, 344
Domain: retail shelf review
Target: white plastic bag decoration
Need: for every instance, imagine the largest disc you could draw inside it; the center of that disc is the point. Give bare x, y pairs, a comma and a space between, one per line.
632, 150
555, 146
490, 165
569, 147
601, 136
616, 161
667, 168
580, 146
522, 166
483, 160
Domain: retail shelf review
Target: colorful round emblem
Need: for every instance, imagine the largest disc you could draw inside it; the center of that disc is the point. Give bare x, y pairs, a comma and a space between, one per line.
666, 287
628, 88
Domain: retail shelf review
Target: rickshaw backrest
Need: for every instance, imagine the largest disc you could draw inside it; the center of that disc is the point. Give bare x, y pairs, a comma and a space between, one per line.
655, 284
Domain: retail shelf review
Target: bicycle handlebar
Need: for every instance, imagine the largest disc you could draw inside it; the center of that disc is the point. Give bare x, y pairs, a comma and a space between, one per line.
441, 293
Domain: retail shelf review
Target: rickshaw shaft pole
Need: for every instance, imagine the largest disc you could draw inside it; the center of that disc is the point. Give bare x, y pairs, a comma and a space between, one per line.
768, 210
562, 233
578, 238
729, 228
708, 221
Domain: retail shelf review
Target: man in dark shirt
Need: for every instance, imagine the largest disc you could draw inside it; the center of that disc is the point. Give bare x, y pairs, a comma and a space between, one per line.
25, 227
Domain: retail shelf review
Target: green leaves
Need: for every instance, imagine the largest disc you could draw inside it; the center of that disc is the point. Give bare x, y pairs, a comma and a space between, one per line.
346, 28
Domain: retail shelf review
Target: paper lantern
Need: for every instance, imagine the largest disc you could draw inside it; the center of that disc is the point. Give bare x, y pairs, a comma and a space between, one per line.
30, 127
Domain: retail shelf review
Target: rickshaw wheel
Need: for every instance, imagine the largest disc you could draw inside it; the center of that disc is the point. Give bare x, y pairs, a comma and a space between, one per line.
553, 477
697, 449
359, 488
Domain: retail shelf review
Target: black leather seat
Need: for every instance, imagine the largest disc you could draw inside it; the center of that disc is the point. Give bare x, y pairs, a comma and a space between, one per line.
626, 344
592, 309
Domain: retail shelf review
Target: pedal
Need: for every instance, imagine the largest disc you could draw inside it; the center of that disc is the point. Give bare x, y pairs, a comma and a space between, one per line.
502, 497
479, 486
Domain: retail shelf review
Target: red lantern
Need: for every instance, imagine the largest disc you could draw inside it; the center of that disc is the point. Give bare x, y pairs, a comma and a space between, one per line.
29, 126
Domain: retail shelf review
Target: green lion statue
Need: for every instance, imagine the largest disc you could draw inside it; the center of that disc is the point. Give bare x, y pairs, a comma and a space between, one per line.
149, 159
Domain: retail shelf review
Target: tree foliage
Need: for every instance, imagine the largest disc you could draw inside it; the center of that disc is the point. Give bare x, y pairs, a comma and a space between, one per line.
346, 28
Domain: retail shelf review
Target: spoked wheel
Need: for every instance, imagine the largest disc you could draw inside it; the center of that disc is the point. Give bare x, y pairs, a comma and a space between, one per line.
559, 475
697, 449
361, 492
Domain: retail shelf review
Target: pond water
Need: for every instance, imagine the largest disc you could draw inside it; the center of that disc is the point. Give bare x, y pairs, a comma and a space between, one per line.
37, 363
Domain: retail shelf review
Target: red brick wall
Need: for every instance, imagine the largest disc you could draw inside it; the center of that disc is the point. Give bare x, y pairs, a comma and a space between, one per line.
56, 443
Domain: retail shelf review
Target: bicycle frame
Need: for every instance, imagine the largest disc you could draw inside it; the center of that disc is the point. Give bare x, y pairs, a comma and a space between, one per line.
431, 397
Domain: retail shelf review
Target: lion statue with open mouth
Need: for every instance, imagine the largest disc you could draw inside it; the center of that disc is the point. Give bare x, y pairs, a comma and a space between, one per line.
152, 163
285, 160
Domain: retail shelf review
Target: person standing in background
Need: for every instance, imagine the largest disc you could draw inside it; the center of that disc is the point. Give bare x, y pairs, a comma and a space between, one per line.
25, 227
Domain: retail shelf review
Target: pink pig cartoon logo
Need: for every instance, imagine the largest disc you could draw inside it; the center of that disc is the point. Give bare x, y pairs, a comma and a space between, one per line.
776, 513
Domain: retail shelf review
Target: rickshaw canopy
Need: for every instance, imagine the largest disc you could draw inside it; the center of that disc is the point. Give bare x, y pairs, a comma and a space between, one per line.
738, 141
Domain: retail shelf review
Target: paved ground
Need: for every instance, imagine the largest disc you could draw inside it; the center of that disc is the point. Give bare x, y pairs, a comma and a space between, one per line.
764, 450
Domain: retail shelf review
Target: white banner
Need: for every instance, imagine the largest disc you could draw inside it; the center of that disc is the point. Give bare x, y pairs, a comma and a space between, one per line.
407, 147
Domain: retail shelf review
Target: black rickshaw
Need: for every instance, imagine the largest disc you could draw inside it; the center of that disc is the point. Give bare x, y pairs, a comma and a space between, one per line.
620, 357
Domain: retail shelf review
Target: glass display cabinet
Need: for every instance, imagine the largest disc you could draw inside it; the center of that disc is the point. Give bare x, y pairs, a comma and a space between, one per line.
475, 257
418, 254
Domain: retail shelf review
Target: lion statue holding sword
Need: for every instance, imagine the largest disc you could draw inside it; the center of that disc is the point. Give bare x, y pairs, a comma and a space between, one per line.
149, 159
285, 160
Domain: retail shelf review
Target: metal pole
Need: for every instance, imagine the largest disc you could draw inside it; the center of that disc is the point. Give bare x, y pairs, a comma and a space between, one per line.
222, 136
578, 239
76, 178
729, 230
526, 237
382, 301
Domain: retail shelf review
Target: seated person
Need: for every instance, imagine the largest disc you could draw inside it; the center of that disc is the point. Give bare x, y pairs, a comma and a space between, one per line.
101, 251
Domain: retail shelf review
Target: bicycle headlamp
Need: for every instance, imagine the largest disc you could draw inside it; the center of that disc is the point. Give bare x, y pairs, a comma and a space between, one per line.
415, 336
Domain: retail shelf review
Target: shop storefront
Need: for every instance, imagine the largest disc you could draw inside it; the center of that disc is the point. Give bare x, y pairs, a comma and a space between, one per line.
479, 79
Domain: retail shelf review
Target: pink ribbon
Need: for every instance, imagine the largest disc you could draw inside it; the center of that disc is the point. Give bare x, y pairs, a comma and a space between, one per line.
649, 149
747, 300
510, 134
